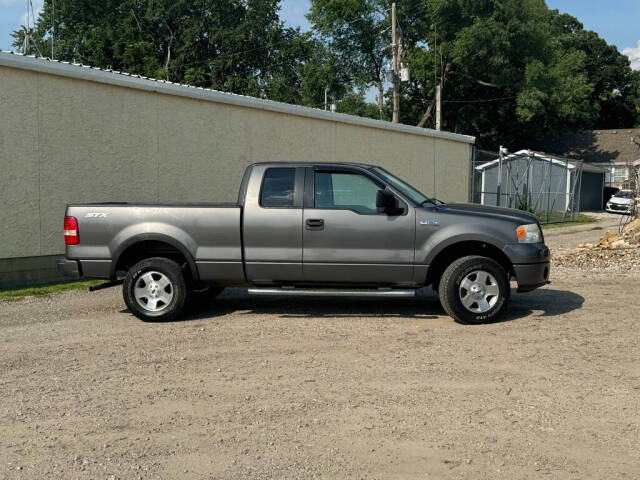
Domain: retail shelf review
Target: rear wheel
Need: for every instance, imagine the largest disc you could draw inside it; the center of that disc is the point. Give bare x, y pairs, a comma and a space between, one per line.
474, 289
154, 289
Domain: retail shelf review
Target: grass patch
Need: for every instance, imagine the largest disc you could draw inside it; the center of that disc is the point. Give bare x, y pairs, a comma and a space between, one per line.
43, 290
581, 219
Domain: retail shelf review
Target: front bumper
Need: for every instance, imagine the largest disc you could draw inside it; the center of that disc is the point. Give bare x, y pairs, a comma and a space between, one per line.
532, 276
69, 268
527, 253
617, 208
531, 264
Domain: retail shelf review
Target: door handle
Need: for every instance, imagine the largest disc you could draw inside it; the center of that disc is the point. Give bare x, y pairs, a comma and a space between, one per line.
315, 224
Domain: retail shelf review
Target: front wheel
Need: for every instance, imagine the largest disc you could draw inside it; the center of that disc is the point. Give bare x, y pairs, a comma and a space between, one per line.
474, 290
154, 289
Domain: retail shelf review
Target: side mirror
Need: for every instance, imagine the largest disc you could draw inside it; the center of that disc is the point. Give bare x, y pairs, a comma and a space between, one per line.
386, 202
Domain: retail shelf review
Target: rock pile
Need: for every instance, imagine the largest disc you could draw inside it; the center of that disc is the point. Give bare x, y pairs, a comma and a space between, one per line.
629, 238
611, 253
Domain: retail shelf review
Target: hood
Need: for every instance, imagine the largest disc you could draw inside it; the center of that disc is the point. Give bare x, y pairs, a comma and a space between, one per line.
505, 213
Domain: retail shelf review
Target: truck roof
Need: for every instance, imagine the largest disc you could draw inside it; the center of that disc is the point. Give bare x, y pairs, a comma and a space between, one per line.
328, 164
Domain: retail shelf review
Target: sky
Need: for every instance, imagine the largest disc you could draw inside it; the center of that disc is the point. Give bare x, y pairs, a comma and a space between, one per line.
617, 21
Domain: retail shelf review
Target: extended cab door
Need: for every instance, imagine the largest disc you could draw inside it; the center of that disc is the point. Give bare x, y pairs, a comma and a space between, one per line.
345, 239
272, 224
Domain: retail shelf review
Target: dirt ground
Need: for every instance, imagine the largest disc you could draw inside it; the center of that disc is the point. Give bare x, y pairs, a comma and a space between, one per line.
314, 388
562, 239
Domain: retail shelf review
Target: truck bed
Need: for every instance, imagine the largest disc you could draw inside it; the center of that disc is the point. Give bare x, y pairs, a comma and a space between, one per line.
209, 232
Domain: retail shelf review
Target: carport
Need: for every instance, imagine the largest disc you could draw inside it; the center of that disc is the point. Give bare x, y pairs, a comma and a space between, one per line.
540, 182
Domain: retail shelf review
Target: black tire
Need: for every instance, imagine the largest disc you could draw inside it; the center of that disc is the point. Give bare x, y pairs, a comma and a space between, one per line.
450, 291
175, 293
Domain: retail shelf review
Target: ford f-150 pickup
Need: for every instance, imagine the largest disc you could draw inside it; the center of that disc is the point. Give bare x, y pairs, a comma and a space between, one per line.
330, 229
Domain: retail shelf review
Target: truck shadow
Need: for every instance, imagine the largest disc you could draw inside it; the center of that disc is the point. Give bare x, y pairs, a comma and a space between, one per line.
544, 302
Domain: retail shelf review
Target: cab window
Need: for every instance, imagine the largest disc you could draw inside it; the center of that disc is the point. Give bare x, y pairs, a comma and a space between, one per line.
346, 190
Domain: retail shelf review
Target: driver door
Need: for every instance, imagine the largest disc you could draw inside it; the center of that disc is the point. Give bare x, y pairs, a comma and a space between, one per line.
346, 240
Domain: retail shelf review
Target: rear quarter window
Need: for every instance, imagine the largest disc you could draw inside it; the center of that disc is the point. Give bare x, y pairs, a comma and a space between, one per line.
278, 187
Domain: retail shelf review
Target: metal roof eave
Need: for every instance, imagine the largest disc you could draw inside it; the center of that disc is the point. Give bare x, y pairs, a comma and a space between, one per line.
84, 72
586, 167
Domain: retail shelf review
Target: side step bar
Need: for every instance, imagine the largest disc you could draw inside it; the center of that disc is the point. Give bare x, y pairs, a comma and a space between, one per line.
332, 292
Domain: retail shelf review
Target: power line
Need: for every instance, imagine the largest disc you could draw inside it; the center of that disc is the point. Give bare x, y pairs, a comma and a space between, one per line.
481, 101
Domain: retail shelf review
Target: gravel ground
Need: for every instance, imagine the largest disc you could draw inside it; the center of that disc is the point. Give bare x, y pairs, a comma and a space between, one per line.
562, 239
316, 388
613, 261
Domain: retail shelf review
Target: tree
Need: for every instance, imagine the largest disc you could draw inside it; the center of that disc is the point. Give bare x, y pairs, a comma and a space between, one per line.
514, 70
229, 45
354, 103
354, 31
635, 86
605, 68
555, 97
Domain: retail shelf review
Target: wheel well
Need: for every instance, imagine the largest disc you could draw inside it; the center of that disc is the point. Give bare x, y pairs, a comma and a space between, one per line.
151, 248
462, 249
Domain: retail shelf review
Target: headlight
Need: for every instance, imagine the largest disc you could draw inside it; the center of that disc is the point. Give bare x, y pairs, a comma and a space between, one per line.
529, 233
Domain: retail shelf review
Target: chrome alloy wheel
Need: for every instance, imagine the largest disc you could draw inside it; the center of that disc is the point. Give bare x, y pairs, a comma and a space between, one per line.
153, 291
479, 291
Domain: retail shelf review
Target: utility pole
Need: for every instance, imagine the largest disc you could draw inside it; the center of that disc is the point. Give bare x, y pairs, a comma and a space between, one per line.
501, 152
438, 85
395, 47
326, 98
438, 106
435, 53
53, 27
25, 45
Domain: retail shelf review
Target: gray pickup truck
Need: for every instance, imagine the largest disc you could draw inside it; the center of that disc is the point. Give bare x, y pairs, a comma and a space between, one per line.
331, 229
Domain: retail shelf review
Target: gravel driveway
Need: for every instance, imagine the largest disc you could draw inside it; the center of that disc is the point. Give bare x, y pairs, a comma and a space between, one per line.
316, 388
562, 239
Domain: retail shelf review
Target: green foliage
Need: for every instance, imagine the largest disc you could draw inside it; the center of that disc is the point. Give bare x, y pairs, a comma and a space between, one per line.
525, 206
517, 71
559, 220
556, 96
352, 30
230, 45
43, 290
613, 95
354, 103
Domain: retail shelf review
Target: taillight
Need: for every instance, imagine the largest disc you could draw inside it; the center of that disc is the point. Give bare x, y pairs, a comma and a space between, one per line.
71, 231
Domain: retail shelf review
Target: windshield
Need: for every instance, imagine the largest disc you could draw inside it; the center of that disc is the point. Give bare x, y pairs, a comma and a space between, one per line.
624, 195
403, 187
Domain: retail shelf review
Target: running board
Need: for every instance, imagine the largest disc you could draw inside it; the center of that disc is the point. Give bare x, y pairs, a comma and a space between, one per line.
332, 292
